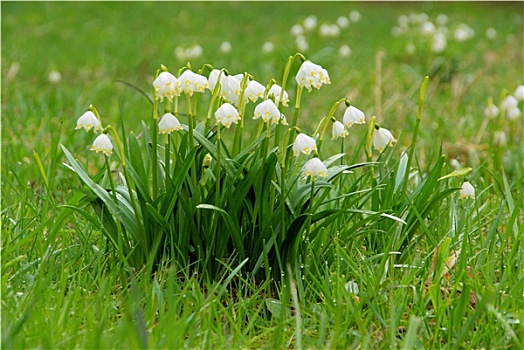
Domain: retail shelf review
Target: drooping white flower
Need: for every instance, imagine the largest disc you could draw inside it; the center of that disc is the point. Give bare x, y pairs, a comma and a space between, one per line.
301, 43
254, 90
382, 138
310, 74
513, 113
102, 144
87, 121
166, 85
351, 287
344, 51
509, 102
491, 111
519, 92
168, 124
191, 82
314, 167
439, 42
339, 130
467, 190
212, 80
304, 144
427, 28
267, 110
226, 115
275, 92
225, 47
463, 32
353, 115
310, 23
499, 138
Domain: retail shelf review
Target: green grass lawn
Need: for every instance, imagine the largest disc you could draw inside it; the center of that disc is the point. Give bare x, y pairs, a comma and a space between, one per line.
436, 271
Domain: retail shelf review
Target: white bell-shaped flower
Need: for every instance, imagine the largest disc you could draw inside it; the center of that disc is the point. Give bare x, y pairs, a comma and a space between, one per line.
230, 88
382, 138
267, 110
226, 115
166, 85
102, 144
168, 124
491, 111
314, 167
305, 144
212, 80
254, 90
275, 92
509, 102
519, 92
339, 130
467, 190
312, 75
353, 115
513, 113
191, 82
87, 121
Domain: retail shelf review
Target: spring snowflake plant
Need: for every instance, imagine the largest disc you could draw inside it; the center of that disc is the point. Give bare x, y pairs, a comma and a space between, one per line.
193, 192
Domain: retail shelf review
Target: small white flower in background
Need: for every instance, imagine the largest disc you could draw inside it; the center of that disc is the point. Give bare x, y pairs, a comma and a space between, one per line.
353, 115
339, 130
428, 28
491, 111
513, 113
254, 90
314, 167
491, 33
455, 164
226, 115
343, 22
310, 74
509, 102
344, 51
354, 16
168, 124
296, 30
194, 52
275, 92
102, 144
463, 33
54, 77
499, 138
310, 23
325, 30
410, 48
268, 47
180, 53
225, 47
352, 287
191, 82
87, 121
304, 144
439, 42
467, 190
267, 110
301, 43
519, 92
382, 138
403, 21
166, 85
442, 19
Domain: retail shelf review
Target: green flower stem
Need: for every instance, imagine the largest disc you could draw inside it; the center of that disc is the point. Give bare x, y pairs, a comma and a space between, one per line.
369, 139
217, 167
298, 98
120, 148
422, 95
167, 157
237, 144
323, 126
190, 123
111, 181
154, 156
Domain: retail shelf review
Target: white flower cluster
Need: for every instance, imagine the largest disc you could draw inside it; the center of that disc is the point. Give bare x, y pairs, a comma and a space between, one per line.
423, 33
89, 121
509, 105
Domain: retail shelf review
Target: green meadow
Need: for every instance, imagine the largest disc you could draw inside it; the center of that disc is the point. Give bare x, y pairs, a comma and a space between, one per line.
222, 232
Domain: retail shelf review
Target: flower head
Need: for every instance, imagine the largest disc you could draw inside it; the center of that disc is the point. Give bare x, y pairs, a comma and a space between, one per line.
254, 90
275, 91
87, 121
102, 144
467, 190
230, 88
213, 79
227, 114
191, 82
353, 115
168, 124
382, 138
339, 130
509, 102
304, 144
491, 111
314, 167
310, 74
267, 110
166, 85
519, 92
513, 113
